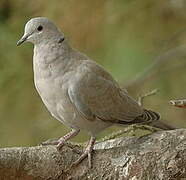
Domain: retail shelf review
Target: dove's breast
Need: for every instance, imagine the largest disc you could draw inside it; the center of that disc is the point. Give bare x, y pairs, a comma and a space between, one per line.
51, 83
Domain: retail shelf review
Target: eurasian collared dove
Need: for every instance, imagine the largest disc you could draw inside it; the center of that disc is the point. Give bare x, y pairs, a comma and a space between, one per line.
76, 90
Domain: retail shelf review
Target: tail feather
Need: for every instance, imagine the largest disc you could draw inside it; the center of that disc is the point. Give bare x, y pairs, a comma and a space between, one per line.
148, 116
163, 125
153, 119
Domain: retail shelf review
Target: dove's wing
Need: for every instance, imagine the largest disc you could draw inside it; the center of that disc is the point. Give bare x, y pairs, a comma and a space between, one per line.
95, 94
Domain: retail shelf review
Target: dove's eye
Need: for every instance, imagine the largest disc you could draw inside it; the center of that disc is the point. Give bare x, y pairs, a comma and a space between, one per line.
40, 28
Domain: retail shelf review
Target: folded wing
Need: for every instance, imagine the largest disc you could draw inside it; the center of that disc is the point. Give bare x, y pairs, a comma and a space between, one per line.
95, 94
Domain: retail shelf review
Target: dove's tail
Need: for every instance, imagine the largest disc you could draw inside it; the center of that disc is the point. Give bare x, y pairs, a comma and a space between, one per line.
153, 119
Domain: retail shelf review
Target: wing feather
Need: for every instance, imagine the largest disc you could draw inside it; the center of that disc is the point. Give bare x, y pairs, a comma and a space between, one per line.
96, 94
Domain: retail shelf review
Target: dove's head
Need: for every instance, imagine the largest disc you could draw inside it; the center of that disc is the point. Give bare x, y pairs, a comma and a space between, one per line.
40, 30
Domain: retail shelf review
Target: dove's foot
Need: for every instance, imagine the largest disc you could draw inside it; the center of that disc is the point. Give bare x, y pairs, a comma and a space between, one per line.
60, 142
87, 152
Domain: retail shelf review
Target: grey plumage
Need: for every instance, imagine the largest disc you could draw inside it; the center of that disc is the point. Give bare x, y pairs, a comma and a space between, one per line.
76, 90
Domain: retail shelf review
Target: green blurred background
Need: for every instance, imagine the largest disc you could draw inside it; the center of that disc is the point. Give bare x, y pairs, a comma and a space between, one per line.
125, 36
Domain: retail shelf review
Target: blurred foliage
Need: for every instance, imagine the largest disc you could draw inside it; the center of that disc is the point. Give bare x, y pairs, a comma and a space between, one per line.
124, 36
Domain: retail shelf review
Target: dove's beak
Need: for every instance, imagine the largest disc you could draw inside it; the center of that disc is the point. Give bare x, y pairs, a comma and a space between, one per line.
22, 40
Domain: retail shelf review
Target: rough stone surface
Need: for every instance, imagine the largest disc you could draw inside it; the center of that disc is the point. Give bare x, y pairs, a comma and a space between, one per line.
158, 156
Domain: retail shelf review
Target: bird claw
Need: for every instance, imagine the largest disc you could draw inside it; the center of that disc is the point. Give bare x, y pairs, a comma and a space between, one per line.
60, 144
87, 152
90, 159
82, 157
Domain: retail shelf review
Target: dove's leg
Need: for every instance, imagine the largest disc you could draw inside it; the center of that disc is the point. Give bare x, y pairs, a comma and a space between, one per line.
63, 139
87, 152
68, 136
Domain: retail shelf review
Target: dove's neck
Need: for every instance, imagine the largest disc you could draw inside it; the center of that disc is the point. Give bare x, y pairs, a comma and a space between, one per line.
51, 51
53, 58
